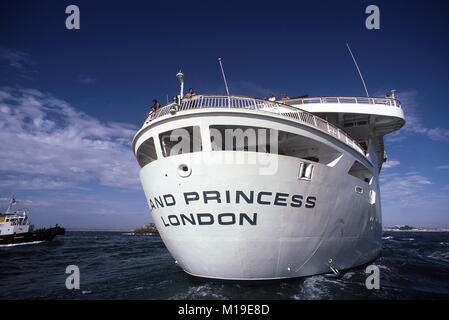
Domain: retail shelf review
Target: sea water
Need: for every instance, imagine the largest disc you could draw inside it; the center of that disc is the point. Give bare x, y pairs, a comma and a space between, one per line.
120, 265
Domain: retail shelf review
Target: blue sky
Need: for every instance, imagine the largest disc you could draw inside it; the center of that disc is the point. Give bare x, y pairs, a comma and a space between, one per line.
92, 87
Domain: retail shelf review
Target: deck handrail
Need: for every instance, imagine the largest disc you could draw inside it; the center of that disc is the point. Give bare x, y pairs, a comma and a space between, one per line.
342, 99
248, 103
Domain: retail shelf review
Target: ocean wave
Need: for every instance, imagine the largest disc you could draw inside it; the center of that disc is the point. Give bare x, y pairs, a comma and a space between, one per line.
381, 266
387, 238
439, 255
312, 288
126, 267
199, 292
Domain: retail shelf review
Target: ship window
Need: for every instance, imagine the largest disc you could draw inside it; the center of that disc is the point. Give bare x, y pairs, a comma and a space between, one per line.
298, 146
239, 138
146, 153
361, 172
246, 138
356, 123
181, 140
305, 171
372, 197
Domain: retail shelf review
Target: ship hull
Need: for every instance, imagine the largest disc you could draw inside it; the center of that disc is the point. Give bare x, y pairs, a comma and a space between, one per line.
38, 235
244, 215
234, 223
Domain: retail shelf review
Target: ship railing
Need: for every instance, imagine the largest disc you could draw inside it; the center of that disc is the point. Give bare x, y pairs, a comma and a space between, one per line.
239, 102
356, 100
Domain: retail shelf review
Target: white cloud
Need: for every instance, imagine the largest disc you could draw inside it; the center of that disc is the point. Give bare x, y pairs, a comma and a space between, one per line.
414, 123
404, 188
14, 58
412, 199
86, 79
32, 182
438, 134
81, 209
391, 164
47, 144
443, 167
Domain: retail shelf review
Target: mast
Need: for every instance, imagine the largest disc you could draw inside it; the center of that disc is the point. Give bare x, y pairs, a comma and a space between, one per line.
180, 76
224, 77
11, 202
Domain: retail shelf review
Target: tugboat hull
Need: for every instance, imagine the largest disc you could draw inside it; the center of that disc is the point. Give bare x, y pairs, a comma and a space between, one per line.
38, 235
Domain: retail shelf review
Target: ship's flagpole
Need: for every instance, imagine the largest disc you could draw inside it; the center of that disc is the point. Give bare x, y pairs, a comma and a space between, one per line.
224, 77
358, 69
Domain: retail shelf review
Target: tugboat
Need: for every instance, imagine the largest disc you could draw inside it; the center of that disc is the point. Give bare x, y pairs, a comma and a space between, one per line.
15, 228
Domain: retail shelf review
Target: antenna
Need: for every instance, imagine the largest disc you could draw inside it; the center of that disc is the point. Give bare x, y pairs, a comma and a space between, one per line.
358, 69
11, 202
224, 77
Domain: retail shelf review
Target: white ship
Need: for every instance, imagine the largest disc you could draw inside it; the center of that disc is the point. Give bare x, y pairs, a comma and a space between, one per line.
15, 228
248, 189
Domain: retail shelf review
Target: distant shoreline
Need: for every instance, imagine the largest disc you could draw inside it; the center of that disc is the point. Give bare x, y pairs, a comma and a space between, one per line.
416, 230
99, 230
384, 230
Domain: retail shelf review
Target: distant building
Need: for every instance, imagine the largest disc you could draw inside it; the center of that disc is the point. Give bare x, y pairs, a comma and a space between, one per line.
403, 227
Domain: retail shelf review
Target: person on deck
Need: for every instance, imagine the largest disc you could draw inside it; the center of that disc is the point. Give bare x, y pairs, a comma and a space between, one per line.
156, 106
271, 97
285, 97
189, 94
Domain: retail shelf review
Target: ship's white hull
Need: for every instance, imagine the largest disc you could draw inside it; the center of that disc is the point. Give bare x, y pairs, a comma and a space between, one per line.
289, 228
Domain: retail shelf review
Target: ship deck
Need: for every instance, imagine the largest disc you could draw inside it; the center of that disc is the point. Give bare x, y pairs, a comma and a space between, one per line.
207, 103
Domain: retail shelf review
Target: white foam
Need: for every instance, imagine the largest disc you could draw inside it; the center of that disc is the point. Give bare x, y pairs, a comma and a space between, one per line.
348, 275
311, 289
20, 244
381, 266
199, 292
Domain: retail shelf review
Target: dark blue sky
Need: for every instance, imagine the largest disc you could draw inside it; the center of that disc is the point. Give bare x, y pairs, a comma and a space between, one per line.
128, 52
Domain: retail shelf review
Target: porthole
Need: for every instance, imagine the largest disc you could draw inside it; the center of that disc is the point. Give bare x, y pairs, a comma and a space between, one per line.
184, 170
